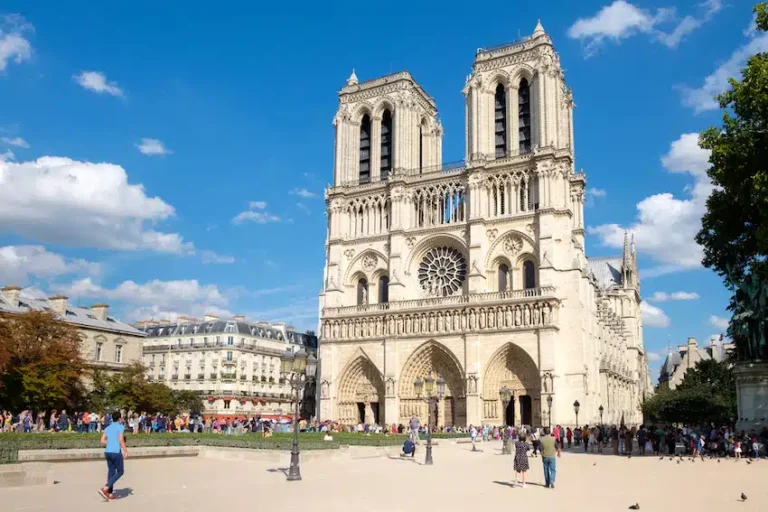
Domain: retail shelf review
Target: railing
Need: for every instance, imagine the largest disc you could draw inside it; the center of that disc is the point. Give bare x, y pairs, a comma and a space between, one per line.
200, 376
444, 168
251, 347
476, 298
500, 46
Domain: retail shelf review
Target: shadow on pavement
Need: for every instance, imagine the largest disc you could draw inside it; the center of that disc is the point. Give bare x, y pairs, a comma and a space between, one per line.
279, 470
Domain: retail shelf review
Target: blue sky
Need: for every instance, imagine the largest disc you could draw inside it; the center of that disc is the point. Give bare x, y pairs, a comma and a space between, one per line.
173, 161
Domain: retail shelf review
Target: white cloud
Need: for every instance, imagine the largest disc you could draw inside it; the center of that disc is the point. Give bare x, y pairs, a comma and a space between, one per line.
666, 225
7, 155
19, 263
719, 322
256, 213
59, 200
702, 98
653, 316
303, 192
15, 141
152, 147
97, 82
664, 296
213, 257
621, 20
14, 47
596, 192
653, 357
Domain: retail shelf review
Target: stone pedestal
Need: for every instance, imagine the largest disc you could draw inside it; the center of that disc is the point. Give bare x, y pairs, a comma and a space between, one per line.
752, 394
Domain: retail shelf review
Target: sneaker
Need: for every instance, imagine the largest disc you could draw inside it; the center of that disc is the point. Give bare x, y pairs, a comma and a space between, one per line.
551, 486
524, 486
104, 494
547, 486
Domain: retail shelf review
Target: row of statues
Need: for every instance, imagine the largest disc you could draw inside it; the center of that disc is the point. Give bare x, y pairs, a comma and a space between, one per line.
460, 320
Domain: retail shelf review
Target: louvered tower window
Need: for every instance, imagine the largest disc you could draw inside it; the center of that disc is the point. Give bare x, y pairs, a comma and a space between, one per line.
386, 144
365, 149
524, 116
500, 116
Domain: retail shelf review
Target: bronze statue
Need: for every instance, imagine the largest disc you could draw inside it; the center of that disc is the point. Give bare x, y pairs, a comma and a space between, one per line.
749, 325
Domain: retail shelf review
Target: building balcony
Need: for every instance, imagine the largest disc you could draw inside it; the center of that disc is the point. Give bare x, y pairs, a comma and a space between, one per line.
174, 377
214, 376
187, 376
229, 362
228, 376
535, 308
200, 376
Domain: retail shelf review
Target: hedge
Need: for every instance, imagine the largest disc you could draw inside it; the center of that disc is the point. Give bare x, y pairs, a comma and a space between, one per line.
10, 444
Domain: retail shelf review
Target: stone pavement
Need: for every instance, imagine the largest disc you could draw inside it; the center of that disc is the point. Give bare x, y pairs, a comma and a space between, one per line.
459, 480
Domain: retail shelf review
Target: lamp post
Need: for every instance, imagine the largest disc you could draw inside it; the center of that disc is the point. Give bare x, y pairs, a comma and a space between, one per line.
576, 406
296, 369
427, 388
506, 396
549, 411
601, 414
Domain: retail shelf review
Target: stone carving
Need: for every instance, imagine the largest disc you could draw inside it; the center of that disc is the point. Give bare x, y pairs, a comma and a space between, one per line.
472, 384
529, 228
324, 387
386, 247
512, 244
492, 234
410, 242
370, 261
364, 293
546, 382
442, 272
349, 253
390, 386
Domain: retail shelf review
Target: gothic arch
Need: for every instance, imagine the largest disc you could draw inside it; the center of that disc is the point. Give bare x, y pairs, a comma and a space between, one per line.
362, 109
435, 358
429, 242
513, 367
355, 266
500, 77
529, 246
359, 382
382, 105
524, 71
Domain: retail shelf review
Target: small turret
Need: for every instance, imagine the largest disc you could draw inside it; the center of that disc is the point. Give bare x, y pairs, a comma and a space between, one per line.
352, 80
539, 30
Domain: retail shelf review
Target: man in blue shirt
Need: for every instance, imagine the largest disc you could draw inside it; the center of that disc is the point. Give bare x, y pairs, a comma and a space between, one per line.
409, 448
113, 441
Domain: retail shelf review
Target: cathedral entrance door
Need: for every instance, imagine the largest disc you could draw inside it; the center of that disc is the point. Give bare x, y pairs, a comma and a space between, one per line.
360, 412
433, 413
449, 412
509, 413
375, 409
526, 410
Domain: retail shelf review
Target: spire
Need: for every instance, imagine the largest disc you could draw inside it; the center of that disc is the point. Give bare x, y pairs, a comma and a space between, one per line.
539, 30
626, 259
352, 80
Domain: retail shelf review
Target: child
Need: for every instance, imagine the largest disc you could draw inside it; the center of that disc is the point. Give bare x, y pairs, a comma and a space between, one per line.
521, 458
755, 448
737, 449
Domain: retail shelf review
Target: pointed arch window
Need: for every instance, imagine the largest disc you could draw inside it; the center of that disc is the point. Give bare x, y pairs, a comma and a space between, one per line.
383, 290
529, 275
386, 144
362, 292
500, 116
365, 149
503, 277
524, 116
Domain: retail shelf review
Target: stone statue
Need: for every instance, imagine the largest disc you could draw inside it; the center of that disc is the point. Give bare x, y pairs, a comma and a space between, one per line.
536, 316
369, 418
545, 314
364, 293
517, 316
526, 315
749, 325
324, 389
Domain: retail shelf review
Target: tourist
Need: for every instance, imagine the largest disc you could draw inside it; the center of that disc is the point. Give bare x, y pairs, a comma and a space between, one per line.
641, 440
414, 424
549, 451
535, 441
568, 436
409, 447
521, 458
113, 441
585, 435
473, 435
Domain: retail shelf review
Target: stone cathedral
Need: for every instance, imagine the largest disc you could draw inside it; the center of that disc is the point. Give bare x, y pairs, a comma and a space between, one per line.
473, 272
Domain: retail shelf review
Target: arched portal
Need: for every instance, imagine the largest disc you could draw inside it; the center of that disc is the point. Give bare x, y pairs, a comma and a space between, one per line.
360, 393
512, 367
434, 359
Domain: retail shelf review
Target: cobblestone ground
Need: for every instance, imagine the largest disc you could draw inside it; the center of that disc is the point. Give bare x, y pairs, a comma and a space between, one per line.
458, 480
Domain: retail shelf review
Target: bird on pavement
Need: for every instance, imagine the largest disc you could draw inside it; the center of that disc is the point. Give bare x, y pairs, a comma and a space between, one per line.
743, 497
662, 458
636, 506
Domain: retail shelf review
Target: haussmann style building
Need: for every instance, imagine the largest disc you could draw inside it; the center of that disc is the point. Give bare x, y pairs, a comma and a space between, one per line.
474, 272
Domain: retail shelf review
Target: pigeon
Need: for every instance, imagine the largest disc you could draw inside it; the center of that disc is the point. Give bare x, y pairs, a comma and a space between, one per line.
718, 461
749, 462
678, 462
662, 458
595, 464
636, 506
670, 458
743, 497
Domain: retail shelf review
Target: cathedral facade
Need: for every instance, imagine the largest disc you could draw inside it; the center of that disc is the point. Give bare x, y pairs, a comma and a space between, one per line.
476, 272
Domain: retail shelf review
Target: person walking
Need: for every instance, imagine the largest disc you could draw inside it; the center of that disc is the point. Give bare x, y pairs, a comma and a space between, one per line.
521, 458
113, 441
414, 424
550, 450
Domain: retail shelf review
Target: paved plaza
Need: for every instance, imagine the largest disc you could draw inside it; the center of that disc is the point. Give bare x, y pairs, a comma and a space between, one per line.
459, 480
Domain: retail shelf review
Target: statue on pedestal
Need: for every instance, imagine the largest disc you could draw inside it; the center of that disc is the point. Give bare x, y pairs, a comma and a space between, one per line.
749, 327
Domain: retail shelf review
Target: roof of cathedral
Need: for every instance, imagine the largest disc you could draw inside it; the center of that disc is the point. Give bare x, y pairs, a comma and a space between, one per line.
83, 317
607, 271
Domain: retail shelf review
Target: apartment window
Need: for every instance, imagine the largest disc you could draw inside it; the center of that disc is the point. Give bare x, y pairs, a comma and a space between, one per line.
230, 340
153, 359
99, 346
229, 356
226, 403
119, 354
205, 339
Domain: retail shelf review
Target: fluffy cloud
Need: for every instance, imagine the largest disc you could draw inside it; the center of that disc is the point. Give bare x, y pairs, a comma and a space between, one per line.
18, 263
702, 99
621, 20
14, 46
59, 200
719, 322
664, 296
97, 82
7, 155
653, 357
214, 257
666, 225
256, 213
596, 192
302, 192
153, 147
15, 141
653, 316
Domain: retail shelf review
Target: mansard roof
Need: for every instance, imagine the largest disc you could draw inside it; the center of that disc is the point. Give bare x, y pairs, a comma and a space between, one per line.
228, 326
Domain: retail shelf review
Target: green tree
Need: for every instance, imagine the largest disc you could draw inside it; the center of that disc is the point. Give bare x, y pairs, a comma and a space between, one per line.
187, 401
41, 362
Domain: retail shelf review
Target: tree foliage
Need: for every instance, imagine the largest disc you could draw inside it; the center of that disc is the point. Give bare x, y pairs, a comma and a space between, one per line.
40, 362
706, 395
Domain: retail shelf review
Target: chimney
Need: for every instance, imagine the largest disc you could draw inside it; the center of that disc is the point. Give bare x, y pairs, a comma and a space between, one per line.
100, 311
692, 341
182, 319
239, 318
11, 293
59, 304
209, 317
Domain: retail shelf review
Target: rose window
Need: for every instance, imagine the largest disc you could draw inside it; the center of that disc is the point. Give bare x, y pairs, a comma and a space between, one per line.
442, 271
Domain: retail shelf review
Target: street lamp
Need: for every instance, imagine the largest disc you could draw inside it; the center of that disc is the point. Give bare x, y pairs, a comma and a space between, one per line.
601, 414
506, 396
427, 387
296, 369
576, 406
549, 411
